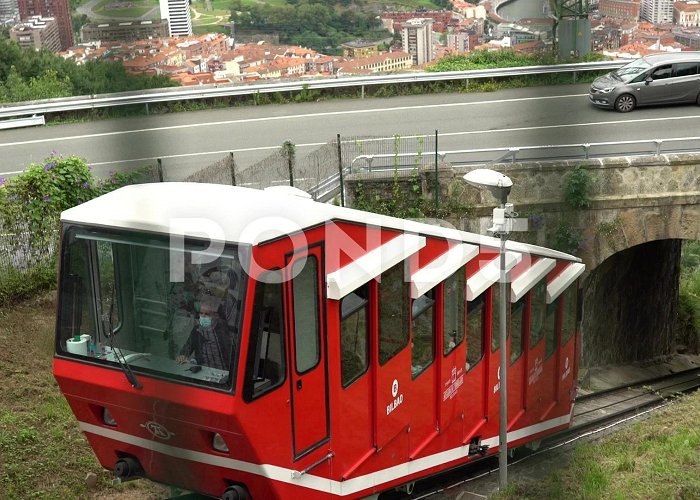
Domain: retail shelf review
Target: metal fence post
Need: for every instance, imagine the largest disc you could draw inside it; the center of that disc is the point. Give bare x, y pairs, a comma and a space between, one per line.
340, 171
288, 152
232, 167
437, 180
160, 170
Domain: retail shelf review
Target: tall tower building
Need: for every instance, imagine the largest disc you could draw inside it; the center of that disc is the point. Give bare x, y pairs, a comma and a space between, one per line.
417, 39
58, 9
177, 12
8, 10
657, 11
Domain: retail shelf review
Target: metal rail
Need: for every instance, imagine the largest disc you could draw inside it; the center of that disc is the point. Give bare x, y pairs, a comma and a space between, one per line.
482, 467
376, 163
146, 97
466, 157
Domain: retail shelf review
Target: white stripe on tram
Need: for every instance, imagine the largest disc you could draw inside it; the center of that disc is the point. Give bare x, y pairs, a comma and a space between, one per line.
318, 483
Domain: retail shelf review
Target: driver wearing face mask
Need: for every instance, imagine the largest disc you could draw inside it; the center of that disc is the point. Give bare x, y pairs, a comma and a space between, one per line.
209, 343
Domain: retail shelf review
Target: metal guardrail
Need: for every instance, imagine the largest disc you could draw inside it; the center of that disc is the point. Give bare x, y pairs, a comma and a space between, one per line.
29, 121
483, 156
229, 90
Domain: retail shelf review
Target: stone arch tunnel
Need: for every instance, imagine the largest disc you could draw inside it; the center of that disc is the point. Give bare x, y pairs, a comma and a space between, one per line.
639, 210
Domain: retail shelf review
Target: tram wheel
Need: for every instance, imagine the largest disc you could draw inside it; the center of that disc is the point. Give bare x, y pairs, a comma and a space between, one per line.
236, 492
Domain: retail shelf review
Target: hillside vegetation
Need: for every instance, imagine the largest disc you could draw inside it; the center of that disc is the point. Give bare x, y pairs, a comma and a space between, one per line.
27, 75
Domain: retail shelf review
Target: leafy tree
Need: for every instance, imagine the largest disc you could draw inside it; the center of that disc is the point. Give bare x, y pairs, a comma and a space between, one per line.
46, 86
30, 75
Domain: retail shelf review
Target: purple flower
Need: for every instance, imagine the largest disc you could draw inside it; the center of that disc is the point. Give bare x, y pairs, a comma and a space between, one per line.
47, 198
2, 181
86, 185
49, 166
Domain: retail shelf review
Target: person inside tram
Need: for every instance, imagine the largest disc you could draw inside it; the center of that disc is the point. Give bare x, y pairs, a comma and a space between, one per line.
209, 343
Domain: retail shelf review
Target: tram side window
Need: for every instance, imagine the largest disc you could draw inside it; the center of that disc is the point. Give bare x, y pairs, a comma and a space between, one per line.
496, 318
517, 327
393, 313
476, 312
453, 311
354, 335
266, 367
109, 307
537, 311
551, 328
423, 326
569, 316
76, 314
306, 324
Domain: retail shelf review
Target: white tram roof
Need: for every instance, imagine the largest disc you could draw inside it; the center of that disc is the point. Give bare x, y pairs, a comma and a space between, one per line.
247, 216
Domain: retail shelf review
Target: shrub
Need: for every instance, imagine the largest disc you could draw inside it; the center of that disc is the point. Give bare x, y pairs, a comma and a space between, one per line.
30, 208
578, 188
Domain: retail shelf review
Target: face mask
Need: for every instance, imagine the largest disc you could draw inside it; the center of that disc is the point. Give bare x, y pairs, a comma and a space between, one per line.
204, 321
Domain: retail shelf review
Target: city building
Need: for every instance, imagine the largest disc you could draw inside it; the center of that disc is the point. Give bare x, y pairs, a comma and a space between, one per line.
380, 63
177, 13
626, 10
657, 11
417, 39
8, 10
58, 9
689, 38
686, 14
394, 21
463, 40
37, 33
360, 48
125, 31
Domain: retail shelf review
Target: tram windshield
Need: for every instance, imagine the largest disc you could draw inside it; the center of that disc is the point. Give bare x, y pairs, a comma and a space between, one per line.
149, 304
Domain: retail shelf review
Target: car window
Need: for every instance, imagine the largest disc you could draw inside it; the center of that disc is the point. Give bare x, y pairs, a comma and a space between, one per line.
685, 69
661, 72
640, 78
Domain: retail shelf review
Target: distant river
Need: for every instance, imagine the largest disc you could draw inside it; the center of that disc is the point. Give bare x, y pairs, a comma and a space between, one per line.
518, 9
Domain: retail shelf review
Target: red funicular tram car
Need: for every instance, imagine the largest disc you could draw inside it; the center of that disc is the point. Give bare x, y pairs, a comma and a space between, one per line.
359, 351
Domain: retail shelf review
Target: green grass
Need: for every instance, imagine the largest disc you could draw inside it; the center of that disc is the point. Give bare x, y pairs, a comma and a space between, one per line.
43, 453
658, 458
138, 8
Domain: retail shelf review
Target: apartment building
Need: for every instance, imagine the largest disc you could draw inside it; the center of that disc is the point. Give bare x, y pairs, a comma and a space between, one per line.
57, 9
657, 11
417, 39
686, 14
394, 21
177, 13
625, 10
37, 33
462, 41
358, 49
127, 31
381, 63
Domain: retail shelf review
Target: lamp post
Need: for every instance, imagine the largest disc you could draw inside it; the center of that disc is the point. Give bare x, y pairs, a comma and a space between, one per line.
499, 185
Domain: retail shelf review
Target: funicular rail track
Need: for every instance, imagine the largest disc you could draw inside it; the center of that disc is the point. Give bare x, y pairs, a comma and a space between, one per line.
593, 413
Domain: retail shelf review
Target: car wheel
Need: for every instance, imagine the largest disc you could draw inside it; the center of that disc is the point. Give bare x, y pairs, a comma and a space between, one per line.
625, 103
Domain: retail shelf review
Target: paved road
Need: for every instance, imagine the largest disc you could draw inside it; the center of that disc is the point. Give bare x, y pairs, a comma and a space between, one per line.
516, 117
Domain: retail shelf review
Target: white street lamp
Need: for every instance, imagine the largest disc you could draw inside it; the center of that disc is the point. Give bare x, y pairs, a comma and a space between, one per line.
499, 185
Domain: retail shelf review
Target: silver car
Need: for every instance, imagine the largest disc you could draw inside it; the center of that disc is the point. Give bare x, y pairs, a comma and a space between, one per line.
653, 79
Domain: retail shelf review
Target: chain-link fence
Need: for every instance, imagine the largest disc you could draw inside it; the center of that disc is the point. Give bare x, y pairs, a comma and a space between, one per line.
343, 170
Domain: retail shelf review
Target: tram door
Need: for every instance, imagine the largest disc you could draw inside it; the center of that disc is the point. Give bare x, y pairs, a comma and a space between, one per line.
307, 350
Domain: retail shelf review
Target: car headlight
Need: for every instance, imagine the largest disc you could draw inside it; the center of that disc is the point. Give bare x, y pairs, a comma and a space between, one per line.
606, 90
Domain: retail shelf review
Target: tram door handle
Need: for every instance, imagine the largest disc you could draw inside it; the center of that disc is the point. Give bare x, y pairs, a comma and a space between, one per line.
299, 385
